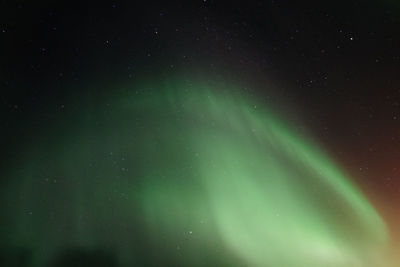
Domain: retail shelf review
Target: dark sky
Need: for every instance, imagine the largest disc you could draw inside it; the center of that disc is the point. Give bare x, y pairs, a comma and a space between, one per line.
333, 65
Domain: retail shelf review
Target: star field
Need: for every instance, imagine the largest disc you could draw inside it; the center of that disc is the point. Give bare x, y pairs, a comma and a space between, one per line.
200, 133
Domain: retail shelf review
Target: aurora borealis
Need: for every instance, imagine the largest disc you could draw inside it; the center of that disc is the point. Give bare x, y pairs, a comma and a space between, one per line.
185, 168
199, 133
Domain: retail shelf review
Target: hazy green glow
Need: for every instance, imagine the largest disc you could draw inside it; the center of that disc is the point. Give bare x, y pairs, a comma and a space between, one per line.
186, 175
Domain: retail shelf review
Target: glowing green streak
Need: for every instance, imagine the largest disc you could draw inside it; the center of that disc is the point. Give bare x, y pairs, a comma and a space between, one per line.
186, 175
274, 198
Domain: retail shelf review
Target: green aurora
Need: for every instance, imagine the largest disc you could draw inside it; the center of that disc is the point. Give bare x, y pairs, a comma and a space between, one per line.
178, 174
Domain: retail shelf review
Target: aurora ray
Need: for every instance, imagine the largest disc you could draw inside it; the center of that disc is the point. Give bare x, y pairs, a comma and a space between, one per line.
199, 176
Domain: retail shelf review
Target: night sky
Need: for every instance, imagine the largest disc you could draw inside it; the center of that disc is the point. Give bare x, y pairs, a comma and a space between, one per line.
200, 133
